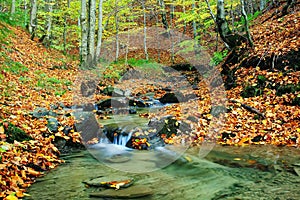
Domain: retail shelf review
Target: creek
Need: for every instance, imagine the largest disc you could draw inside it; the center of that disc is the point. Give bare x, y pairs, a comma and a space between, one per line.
254, 172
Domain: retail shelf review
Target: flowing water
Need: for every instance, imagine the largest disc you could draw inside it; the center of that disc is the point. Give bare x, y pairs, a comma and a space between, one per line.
255, 172
168, 173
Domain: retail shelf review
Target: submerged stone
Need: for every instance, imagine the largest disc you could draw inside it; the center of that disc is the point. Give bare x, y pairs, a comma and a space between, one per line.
132, 192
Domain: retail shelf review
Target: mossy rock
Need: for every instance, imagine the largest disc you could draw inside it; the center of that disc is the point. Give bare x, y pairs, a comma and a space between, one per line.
251, 91
14, 133
296, 101
289, 88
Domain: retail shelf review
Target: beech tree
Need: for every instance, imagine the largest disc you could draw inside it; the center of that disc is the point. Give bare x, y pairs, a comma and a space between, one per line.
13, 7
84, 34
100, 29
33, 18
91, 32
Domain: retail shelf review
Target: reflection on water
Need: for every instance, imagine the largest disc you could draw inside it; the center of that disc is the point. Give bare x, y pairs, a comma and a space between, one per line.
256, 172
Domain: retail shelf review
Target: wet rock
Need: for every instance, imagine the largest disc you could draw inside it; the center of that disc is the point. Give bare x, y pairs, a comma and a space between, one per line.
169, 125
88, 107
67, 130
52, 125
112, 91
87, 125
105, 181
132, 111
42, 112
137, 103
115, 103
172, 98
131, 192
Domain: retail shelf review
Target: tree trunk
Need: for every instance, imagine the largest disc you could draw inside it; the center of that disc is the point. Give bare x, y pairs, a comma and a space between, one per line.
84, 35
117, 31
171, 36
48, 9
100, 30
163, 14
33, 18
145, 30
222, 24
194, 22
65, 29
262, 5
91, 32
246, 23
13, 7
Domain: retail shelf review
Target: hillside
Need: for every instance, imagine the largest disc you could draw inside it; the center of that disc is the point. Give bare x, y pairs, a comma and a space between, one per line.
262, 84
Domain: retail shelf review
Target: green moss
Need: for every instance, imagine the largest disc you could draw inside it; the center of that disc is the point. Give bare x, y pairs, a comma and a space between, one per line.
14, 133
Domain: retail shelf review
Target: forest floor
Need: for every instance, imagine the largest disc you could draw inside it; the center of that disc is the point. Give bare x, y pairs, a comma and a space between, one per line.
263, 92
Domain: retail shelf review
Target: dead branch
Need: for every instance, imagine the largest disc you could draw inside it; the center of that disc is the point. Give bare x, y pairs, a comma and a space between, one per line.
249, 108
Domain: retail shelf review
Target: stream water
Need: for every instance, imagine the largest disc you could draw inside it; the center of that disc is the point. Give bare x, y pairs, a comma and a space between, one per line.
255, 172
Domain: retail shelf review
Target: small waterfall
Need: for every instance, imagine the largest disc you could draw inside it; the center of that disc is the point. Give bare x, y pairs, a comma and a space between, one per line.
122, 139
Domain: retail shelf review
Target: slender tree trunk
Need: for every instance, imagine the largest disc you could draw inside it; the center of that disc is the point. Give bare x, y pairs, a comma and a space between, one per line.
163, 14
210, 11
184, 21
246, 23
145, 30
232, 16
222, 24
195, 30
91, 32
117, 31
100, 29
84, 35
48, 9
171, 35
262, 5
13, 7
33, 18
65, 29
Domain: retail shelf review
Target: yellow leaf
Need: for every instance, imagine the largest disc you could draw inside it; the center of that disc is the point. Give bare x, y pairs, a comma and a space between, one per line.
264, 122
298, 130
11, 197
1, 130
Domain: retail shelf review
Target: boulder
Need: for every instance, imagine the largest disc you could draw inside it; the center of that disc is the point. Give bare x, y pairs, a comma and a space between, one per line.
87, 125
138, 103
52, 125
172, 97
112, 91
42, 112
112, 102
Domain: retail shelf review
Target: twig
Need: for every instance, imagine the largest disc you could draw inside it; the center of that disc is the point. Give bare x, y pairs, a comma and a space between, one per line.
265, 53
249, 108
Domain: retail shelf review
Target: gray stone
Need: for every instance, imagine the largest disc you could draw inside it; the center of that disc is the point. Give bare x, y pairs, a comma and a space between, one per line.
131, 192
172, 98
104, 181
52, 125
87, 125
